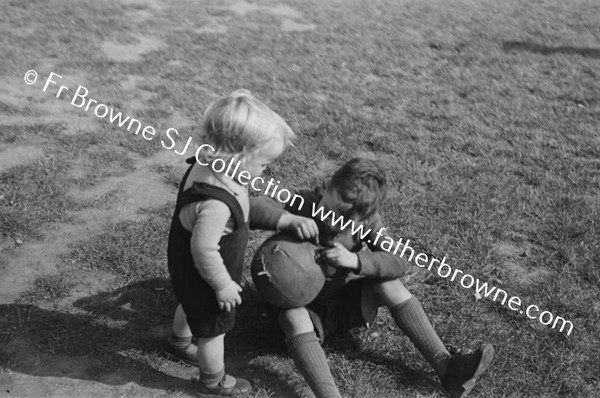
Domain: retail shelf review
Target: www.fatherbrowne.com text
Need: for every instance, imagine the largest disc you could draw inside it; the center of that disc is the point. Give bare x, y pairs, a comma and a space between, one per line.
81, 99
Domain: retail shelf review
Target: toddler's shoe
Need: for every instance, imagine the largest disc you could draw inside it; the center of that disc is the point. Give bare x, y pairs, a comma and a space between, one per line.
228, 386
182, 349
464, 369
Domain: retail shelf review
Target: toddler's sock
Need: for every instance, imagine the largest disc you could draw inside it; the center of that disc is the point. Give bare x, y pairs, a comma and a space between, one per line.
212, 379
310, 360
182, 348
412, 320
179, 341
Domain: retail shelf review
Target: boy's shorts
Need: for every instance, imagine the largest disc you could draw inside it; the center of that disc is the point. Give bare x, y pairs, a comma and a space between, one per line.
339, 314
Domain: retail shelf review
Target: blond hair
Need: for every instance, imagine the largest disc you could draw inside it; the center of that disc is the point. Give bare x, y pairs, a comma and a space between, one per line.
239, 125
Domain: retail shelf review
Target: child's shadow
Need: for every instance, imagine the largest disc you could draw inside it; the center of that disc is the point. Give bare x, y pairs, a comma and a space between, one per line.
117, 337
111, 338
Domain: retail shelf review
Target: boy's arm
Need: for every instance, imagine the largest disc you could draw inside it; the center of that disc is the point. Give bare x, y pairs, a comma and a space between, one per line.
377, 262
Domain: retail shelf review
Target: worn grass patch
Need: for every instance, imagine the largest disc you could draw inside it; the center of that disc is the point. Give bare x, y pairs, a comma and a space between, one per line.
50, 287
132, 250
33, 195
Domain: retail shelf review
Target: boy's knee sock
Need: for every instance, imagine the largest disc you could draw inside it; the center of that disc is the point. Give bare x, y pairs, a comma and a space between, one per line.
310, 360
412, 320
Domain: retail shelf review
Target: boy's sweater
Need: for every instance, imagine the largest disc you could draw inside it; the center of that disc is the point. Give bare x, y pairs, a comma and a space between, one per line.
374, 263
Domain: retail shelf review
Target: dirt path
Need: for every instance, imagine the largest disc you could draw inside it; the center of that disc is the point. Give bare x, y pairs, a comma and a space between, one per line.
30, 373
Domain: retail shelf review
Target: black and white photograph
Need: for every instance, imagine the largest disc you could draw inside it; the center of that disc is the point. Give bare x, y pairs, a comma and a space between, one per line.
299, 199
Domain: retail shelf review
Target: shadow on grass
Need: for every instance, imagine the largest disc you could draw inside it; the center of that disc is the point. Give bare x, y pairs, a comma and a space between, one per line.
545, 50
116, 337
111, 342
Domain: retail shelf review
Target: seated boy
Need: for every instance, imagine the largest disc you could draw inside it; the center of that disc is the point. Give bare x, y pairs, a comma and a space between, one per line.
364, 280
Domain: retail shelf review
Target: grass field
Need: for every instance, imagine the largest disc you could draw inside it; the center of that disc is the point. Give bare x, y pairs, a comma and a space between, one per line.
485, 115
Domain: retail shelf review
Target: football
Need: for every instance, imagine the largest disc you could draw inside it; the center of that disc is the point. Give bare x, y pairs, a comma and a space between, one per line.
285, 272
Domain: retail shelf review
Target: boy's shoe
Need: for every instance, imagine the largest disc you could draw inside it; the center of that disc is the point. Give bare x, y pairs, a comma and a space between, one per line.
228, 386
464, 369
182, 351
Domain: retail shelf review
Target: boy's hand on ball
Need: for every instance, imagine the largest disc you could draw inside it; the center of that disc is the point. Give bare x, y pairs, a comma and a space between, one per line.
337, 256
229, 296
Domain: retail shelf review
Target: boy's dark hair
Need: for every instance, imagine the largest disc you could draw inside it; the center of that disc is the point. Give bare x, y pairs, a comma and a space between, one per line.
362, 186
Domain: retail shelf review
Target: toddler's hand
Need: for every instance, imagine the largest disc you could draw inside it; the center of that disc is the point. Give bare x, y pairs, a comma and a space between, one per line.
303, 227
229, 296
337, 256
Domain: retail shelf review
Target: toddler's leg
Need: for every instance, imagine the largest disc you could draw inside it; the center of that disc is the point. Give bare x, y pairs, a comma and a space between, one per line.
213, 379
305, 350
180, 327
180, 338
211, 355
